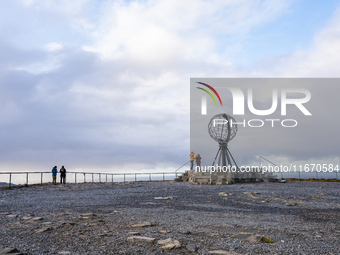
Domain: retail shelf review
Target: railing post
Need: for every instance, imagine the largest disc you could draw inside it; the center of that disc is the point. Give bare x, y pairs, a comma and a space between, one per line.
112, 177
92, 177
176, 174
106, 177
135, 177
149, 177
100, 178
336, 173
26, 179
299, 176
84, 178
75, 177
316, 174
41, 177
124, 177
163, 177
10, 180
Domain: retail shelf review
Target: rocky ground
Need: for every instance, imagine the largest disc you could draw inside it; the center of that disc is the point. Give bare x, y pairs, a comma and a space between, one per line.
171, 218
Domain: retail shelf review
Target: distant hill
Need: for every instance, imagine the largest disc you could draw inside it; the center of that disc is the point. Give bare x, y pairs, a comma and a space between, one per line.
4, 184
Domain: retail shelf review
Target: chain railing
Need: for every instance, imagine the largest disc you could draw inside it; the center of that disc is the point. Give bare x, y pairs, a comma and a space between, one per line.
94, 177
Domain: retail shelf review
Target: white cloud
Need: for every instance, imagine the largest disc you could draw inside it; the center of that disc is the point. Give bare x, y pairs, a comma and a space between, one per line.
133, 103
162, 32
321, 59
53, 46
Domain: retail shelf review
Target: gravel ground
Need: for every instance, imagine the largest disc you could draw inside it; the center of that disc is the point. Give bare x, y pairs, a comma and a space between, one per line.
300, 217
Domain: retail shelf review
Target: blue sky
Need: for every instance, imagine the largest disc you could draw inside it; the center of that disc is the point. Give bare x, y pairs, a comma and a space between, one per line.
105, 84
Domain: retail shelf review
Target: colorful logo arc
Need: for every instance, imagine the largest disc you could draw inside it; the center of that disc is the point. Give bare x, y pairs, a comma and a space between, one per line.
213, 90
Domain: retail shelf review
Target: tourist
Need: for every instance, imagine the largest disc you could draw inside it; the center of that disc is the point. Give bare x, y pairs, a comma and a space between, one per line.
62, 175
54, 175
192, 158
198, 160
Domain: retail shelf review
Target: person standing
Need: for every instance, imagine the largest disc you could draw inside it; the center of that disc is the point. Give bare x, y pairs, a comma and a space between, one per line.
192, 158
62, 175
198, 160
54, 175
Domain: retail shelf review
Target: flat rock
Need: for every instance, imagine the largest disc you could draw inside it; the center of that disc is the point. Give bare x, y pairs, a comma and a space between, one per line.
44, 229
140, 225
248, 237
8, 250
163, 231
134, 233
225, 194
12, 215
36, 218
135, 239
64, 252
223, 252
4, 213
46, 223
169, 244
163, 198
165, 241
26, 217
88, 215
191, 247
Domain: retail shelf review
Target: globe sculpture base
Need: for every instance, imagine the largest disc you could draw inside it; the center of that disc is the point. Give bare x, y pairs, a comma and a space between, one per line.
224, 156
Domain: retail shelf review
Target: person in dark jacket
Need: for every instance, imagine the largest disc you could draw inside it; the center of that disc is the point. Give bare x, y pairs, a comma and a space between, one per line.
198, 160
62, 175
54, 175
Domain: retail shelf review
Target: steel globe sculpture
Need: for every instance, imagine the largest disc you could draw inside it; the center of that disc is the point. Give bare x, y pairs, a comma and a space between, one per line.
223, 128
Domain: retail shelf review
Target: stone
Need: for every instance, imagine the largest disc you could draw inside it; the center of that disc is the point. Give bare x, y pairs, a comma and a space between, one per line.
290, 203
36, 218
26, 217
11, 215
225, 194
140, 225
223, 252
44, 229
88, 215
163, 198
4, 213
163, 231
251, 237
8, 251
169, 244
165, 241
46, 223
191, 247
64, 252
135, 239
134, 233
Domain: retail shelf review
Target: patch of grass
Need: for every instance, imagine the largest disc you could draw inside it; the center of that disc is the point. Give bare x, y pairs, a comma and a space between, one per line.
265, 239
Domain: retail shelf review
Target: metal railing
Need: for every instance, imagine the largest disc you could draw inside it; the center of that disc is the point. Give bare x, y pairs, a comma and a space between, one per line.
299, 172
93, 176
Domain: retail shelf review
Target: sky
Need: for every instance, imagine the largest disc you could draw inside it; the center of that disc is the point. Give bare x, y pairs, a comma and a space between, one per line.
105, 85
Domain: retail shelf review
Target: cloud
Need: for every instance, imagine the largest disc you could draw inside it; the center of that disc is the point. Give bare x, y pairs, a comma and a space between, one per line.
105, 84
53, 46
